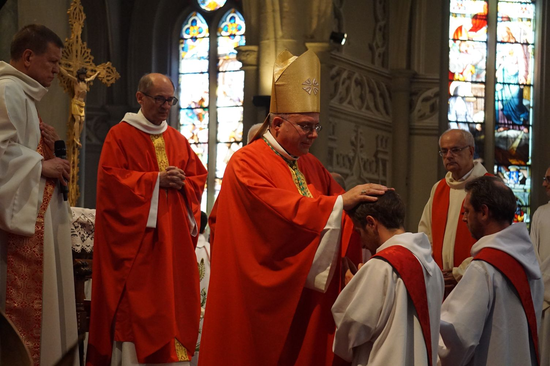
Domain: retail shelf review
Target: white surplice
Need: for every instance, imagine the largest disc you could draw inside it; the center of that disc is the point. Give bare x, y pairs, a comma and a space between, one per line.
540, 236
376, 321
456, 197
482, 320
21, 193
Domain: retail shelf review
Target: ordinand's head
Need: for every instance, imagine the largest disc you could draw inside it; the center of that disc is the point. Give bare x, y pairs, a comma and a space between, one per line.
156, 96
457, 148
489, 206
36, 51
378, 221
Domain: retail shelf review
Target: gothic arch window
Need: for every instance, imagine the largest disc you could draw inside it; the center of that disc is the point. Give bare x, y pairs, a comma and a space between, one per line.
491, 69
211, 87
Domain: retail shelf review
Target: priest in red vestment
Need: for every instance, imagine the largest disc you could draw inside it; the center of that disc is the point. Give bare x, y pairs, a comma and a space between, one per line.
278, 234
146, 302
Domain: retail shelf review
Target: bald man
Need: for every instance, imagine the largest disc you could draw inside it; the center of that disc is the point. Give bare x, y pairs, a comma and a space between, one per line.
145, 276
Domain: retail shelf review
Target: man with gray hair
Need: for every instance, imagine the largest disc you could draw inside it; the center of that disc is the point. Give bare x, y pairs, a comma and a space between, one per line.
492, 315
449, 236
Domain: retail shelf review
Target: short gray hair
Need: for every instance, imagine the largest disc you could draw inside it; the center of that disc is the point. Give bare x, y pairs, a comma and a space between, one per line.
466, 135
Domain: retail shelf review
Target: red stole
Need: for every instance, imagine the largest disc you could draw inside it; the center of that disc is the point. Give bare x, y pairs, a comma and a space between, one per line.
410, 270
463, 240
515, 274
25, 275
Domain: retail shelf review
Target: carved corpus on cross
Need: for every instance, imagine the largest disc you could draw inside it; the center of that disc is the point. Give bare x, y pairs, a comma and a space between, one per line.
76, 55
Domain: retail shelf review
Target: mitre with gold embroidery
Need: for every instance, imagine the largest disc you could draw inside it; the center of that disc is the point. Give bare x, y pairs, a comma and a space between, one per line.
296, 82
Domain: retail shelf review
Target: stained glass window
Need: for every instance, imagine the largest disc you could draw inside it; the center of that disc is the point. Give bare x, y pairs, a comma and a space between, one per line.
211, 5
197, 87
471, 29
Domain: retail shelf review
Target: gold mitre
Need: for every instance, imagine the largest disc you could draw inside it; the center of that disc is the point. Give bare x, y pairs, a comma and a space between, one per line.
296, 83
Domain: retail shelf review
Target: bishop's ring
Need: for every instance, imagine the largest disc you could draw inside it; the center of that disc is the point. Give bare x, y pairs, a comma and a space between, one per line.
363, 191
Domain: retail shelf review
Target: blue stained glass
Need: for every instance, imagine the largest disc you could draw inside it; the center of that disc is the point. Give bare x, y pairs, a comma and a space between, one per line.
232, 25
194, 45
196, 59
211, 5
194, 27
518, 178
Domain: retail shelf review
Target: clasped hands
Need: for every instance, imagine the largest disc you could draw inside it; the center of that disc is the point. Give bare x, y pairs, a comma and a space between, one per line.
172, 178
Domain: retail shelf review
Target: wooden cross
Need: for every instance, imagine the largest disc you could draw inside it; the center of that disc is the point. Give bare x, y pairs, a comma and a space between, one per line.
77, 55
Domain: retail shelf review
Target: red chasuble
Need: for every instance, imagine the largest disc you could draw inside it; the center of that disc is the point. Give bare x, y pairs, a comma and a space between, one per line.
512, 270
463, 241
265, 235
410, 270
147, 277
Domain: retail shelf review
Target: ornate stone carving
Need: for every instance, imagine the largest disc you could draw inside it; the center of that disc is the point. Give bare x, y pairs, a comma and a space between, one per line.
360, 92
356, 166
378, 45
425, 104
248, 55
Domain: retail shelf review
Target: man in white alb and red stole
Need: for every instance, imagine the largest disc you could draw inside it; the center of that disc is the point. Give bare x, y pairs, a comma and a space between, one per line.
493, 314
36, 272
273, 282
451, 241
146, 302
540, 236
388, 314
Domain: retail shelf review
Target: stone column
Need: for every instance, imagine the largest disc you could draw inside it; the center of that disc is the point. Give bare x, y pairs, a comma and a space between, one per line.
248, 55
401, 93
321, 146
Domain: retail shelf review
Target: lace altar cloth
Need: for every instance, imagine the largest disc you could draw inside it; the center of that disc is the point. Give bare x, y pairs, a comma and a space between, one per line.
82, 229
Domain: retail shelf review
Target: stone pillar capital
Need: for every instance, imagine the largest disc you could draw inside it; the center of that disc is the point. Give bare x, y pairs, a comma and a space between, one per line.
248, 55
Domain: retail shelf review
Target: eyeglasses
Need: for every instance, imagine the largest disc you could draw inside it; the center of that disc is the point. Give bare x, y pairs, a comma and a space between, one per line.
453, 151
160, 100
546, 179
306, 127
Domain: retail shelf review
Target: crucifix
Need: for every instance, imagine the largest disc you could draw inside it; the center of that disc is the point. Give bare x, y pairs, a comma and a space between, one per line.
77, 74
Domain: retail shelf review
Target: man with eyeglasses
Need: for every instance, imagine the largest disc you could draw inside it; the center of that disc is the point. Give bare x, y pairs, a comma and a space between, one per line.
146, 304
278, 234
540, 236
450, 238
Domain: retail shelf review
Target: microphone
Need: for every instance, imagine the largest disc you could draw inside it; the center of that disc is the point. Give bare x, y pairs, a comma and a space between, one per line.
61, 152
